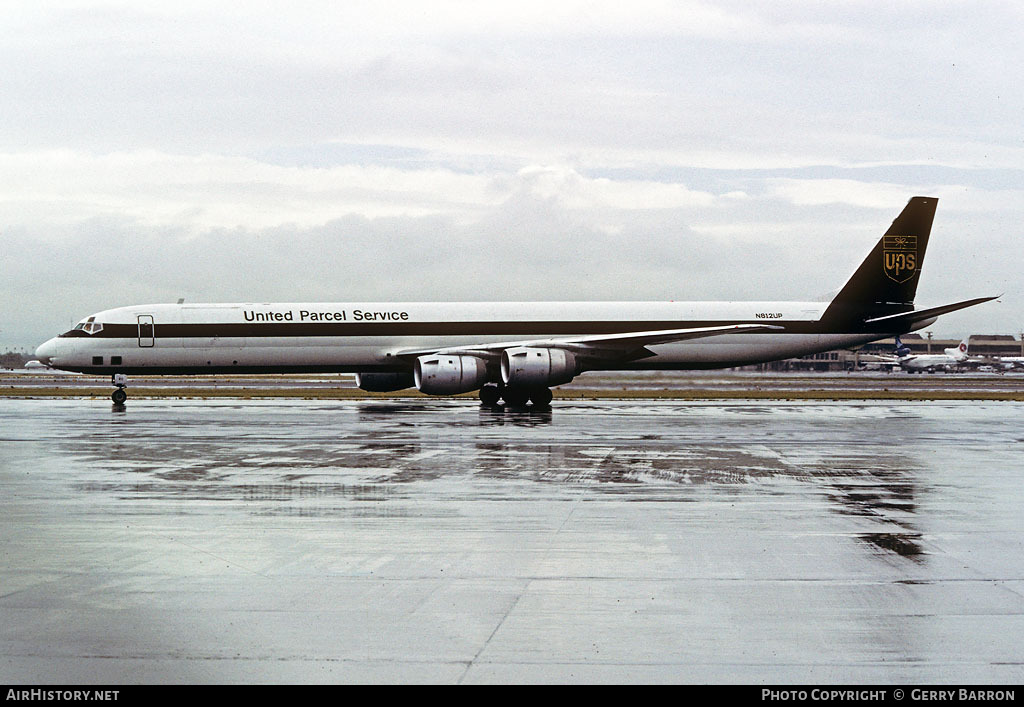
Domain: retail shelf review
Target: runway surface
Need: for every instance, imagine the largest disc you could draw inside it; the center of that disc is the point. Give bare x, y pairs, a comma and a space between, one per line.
217, 541
686, 385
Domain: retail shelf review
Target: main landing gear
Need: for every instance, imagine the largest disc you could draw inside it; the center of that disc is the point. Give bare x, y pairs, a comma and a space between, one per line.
121, 382
515, 396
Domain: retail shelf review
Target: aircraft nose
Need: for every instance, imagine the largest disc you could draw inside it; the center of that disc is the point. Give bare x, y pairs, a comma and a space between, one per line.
46, 351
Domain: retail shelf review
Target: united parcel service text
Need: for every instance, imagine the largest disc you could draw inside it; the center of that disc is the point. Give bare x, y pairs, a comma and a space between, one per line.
305, 315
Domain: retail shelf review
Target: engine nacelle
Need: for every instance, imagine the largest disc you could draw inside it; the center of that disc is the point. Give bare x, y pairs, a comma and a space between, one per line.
448, 375
537, 367
384, 382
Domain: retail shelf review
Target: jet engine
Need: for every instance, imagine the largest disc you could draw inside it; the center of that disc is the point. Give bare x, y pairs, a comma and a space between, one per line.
537, 367
384, 382
448, 375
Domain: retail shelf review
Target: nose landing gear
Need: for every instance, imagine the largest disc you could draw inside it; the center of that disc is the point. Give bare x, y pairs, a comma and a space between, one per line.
121, 382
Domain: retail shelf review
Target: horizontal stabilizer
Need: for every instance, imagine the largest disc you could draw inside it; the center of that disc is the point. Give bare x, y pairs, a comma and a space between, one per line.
907, 320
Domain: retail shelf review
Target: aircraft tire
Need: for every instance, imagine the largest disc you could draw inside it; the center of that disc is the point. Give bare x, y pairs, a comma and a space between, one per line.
516, 397
119, 396
490, 395
541, 397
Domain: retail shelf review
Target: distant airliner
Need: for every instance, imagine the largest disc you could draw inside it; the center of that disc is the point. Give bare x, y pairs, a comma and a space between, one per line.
512, 351
1009, 362
948, 359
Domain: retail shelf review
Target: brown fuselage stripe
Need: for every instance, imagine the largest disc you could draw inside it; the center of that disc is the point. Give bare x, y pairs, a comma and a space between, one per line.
490, 329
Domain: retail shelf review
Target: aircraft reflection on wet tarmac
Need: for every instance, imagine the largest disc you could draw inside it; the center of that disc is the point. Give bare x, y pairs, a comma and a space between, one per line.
384, 448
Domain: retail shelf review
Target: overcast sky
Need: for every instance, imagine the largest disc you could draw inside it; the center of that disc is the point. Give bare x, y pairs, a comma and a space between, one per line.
374, 151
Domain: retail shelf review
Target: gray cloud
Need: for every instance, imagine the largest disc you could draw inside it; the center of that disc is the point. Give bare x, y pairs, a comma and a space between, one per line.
528, 248
578, 151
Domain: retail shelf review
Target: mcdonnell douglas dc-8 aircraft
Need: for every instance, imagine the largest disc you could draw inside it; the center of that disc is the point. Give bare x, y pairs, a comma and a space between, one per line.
510, 351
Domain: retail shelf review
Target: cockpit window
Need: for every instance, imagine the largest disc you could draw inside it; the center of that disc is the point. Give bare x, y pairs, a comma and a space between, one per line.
90, 326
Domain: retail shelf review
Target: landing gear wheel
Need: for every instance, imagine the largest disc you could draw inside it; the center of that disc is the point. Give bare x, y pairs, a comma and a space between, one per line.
119, 381
516, 397
540, 397
490, 395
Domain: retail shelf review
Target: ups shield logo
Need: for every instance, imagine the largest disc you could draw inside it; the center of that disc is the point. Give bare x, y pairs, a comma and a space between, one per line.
899, 257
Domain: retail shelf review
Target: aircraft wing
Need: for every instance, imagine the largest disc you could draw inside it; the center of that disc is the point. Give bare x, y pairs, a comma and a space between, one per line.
628, 345
878, 358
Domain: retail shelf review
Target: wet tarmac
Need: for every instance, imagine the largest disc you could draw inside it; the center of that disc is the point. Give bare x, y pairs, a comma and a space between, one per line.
603, 384
290, 541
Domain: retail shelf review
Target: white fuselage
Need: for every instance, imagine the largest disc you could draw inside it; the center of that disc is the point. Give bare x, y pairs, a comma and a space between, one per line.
1010, 361
354, 337
947, 359
926, 362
